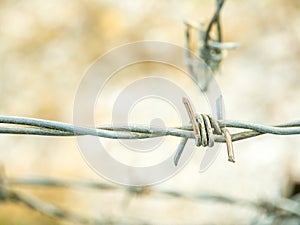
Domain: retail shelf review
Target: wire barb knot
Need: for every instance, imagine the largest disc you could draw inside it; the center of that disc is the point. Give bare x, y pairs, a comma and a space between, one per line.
205, 129
209, 127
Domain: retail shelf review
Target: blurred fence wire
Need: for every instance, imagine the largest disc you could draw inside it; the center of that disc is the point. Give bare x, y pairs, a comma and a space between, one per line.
203, 128
279, 209
210, 47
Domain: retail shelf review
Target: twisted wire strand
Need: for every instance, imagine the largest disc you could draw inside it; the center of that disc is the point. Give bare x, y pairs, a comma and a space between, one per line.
54, 211
210, 49
210, 131
204, 129
288, 206
32, 126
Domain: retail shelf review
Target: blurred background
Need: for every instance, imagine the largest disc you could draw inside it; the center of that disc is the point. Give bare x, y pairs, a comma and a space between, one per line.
45, 50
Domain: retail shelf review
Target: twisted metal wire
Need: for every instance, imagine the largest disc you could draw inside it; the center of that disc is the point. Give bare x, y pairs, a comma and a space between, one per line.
290, 208
210, 49
33, 126
204, 129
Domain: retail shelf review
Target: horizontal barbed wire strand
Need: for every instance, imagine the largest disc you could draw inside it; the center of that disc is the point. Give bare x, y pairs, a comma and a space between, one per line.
54, 211
289, 206
32, 126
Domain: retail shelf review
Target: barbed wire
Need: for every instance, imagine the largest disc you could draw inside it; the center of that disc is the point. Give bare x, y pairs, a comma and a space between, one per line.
204, 129
210, 46
278, 208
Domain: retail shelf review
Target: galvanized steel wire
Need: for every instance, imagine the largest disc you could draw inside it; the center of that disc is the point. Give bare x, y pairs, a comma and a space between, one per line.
33, 126
203, 128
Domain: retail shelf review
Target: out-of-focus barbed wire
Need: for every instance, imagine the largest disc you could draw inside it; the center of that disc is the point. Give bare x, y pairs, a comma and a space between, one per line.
277, 209
210, 47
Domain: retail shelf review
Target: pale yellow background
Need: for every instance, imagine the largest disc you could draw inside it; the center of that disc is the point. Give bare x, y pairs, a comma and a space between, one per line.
45, 48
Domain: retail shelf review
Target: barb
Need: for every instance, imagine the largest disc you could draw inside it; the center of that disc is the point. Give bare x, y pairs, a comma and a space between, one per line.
215, 20
212, 48
229, 145
210, 44
210, 130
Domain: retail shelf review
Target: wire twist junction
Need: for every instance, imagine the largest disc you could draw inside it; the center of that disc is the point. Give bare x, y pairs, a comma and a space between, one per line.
204, 129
